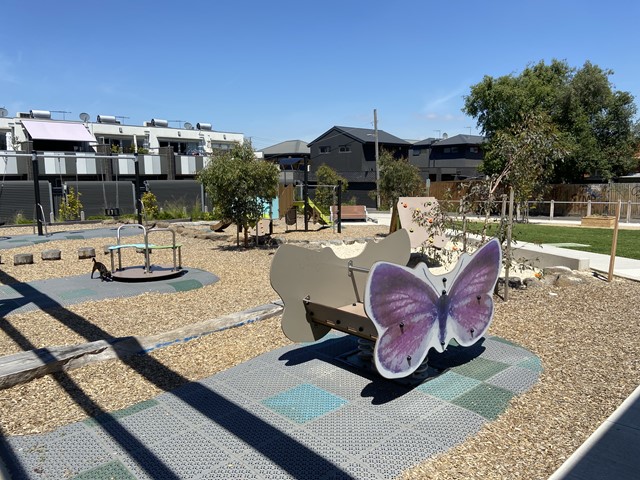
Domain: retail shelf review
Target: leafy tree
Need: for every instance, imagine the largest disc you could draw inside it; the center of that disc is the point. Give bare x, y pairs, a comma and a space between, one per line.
398, 178
239, 185
528, 153
595, 122
324, 195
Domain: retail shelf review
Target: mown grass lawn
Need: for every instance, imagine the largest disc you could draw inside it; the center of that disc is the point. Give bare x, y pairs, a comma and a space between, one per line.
598, 240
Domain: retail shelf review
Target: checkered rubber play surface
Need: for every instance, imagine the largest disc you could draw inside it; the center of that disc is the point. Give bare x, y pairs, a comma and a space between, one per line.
37, 295
297, 412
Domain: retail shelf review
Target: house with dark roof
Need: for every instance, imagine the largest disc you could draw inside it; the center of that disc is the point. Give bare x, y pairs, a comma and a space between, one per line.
453, 158
290, 156
288, 149
351, 152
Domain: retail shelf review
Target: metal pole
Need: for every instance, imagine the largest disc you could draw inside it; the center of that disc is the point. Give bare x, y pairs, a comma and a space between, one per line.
375, 131
305, 195
138, 188
36, 189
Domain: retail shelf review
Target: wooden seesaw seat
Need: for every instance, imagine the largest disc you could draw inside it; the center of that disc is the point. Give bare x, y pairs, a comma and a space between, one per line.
322, 291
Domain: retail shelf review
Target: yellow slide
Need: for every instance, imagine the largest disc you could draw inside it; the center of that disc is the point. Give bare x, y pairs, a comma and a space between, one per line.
323, 218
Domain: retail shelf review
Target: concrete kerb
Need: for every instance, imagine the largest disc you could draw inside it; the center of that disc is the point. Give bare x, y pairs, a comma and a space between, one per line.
24, 366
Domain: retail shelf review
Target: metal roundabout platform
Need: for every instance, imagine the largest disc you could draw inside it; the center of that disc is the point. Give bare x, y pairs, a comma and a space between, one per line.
146, 272
140, 274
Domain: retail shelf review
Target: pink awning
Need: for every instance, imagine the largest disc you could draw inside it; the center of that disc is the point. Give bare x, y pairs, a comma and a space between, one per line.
75, 132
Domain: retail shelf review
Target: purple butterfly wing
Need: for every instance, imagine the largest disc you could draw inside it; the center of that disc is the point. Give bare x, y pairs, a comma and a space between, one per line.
403, 308
470, 297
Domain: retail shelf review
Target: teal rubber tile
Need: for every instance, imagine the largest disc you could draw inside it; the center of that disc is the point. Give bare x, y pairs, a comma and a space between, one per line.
79, 293
448, 386
303, 403
107, 417
108, 471
74, 237
533, 363
480, 368
485, 400
185, 285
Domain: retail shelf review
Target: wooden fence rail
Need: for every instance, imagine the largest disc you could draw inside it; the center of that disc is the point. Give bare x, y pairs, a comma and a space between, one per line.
566, 200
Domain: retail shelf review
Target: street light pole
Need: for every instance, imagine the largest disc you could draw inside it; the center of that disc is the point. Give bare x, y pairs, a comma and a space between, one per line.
375, 133
36, 189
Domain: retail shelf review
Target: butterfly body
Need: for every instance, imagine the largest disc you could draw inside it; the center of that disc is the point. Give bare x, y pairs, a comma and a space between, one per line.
413, 311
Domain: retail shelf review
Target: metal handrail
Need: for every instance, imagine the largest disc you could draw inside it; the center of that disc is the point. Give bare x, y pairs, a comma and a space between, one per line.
37, 217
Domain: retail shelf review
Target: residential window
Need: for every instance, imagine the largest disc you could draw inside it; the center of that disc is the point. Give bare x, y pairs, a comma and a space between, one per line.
344, 149
454, 149
447, 149
416, 152
325, 149
473, 149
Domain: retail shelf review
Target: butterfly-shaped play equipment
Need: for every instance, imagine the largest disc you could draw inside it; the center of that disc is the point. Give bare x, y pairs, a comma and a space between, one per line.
374, 296
414, 310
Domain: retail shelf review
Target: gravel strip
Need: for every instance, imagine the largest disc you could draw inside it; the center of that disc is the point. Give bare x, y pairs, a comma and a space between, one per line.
586, 336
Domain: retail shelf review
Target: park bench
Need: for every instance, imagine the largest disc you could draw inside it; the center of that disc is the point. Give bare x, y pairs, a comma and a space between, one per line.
350, 212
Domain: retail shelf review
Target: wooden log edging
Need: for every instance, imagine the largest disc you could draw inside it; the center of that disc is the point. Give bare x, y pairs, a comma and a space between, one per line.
25, 366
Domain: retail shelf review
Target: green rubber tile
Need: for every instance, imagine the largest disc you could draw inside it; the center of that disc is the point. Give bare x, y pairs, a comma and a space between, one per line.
485, 400
74, 237
79, 293
448, 386
480, 368
185, 285
106, 417
108, 471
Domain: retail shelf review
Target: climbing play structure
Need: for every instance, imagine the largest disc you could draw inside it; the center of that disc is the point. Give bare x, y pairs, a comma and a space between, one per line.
146, 272
399, 313
405, 216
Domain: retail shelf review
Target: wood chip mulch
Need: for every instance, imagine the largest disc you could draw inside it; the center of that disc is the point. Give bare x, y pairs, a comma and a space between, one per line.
586, 336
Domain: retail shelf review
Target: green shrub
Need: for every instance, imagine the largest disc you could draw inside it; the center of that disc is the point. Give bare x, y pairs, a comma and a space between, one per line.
20, 219
70, 206
150, 204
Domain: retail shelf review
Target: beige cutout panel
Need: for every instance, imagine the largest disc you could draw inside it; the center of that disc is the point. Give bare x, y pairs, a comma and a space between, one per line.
418, 234
298, 272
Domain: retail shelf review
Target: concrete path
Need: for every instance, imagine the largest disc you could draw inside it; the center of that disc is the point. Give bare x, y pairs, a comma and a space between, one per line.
612, 451
72, 234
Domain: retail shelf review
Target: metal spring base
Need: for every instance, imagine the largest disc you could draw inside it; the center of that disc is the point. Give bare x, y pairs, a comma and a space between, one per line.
365, 353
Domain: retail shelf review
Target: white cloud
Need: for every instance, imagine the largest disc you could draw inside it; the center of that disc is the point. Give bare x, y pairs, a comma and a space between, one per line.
445, 99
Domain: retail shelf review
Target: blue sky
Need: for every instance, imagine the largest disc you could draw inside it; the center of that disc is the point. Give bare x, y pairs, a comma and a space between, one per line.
285, 70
